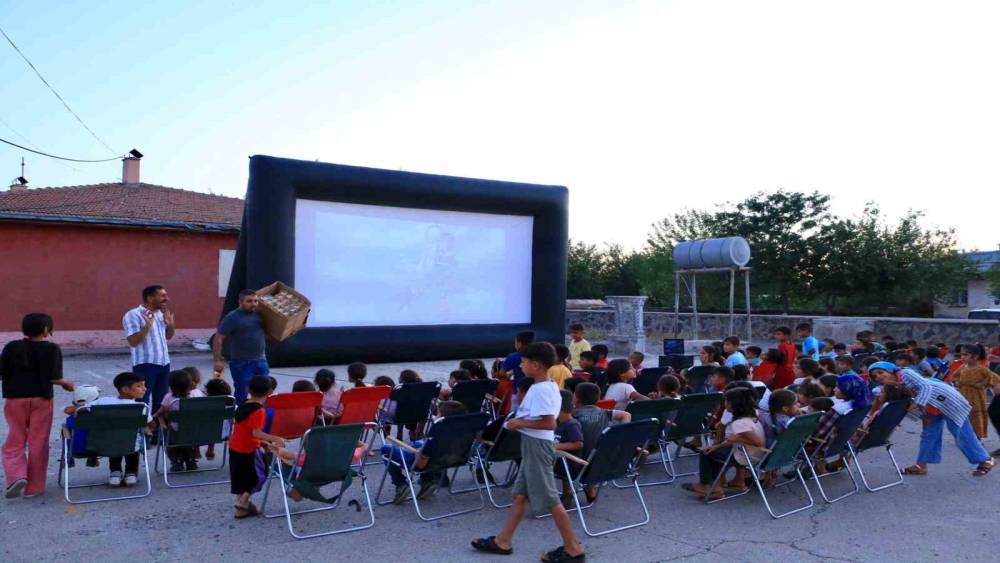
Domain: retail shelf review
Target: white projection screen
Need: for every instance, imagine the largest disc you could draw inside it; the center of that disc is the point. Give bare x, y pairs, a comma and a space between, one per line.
371, 265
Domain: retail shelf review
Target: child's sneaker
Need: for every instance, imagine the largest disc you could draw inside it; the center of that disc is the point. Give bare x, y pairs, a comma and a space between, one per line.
130, 479
115, 479
402, 494
192, 465
176, 467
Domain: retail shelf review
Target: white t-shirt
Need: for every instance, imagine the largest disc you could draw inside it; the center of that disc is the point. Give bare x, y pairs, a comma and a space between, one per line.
621, 393
542, 399
742, 425
765, 399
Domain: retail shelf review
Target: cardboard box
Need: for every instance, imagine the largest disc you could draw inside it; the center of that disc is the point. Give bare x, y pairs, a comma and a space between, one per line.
279, 325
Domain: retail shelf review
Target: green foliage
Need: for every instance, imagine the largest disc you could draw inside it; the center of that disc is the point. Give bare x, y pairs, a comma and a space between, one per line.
803, 258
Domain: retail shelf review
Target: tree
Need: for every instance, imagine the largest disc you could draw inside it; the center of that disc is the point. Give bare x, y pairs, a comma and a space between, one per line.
781, 228
583, 279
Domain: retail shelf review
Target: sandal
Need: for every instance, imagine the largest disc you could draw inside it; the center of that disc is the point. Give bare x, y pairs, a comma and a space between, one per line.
559, 554
701, 495
489, 545
984, 468
249, 511
915, 470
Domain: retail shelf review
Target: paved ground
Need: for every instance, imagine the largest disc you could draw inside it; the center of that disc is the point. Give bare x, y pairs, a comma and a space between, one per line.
947, 516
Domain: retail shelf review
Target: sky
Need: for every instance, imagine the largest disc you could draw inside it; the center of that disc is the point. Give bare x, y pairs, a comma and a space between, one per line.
642, 109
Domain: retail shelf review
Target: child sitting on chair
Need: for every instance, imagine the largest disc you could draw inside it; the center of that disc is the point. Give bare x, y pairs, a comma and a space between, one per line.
400, 457
179, 381
454, 378
593, 420
326, 382
667, 387
356, 374
131, 389
635, 359
602, 356
620, 390
297, 460
82, 394
569, 438
246, 462
218, 387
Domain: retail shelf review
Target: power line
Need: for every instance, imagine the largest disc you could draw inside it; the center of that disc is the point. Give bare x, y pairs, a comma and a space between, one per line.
57, 157
30, 144
46, 82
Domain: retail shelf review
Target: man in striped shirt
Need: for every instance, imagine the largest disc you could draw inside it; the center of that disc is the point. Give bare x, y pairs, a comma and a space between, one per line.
147, 329
944, 406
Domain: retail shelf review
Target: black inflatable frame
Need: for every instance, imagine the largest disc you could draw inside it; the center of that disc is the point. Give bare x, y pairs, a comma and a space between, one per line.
266, 253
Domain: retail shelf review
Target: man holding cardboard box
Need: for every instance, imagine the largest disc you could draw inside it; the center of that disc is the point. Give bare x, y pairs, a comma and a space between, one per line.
243, 327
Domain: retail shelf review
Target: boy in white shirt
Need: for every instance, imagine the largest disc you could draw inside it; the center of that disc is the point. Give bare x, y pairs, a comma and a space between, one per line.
131, 389
535, 419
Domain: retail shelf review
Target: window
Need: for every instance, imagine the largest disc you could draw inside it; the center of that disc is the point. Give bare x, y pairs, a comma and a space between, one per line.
226, 258
960, 298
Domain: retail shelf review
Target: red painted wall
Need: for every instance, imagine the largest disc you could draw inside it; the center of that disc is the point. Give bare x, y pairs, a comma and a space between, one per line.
86, 277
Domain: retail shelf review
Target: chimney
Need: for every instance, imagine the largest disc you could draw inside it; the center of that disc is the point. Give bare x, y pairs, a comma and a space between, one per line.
19, 184
130, 170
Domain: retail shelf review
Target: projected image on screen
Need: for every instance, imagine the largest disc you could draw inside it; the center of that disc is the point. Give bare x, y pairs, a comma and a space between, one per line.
369, 265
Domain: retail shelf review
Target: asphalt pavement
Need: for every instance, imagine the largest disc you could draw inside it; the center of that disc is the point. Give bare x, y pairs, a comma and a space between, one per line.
945, 516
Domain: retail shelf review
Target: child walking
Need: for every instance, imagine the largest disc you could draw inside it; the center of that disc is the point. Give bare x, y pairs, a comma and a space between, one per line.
972, 380
535, 418
246, 462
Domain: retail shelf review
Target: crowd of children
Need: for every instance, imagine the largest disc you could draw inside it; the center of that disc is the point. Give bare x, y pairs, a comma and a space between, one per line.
552, 395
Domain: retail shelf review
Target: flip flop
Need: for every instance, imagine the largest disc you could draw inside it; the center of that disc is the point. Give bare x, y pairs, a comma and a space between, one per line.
915, 470
250, 511
559, 555
489, 545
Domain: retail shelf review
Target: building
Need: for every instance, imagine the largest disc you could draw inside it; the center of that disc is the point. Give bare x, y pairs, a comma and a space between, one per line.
83, 254
977, 295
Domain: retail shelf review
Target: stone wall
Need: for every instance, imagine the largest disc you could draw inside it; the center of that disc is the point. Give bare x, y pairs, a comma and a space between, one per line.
660, 324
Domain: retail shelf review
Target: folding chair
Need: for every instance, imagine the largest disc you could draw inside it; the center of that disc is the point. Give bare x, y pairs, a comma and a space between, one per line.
606, 404
360, 406
294, 413
505, 447
200, 421
328, 459
473, 394
112, 431
878, 435
663, 410
788, 449
690, 421
845, 425
448, 446
645, 382
614, 457
410, 404
697, 378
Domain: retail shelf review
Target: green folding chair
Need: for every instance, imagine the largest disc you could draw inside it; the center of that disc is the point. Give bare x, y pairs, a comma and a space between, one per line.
665, 411
845, 425
329, 451
690, 421
111, 431
877, 436
788, 449
614, 457
200, 421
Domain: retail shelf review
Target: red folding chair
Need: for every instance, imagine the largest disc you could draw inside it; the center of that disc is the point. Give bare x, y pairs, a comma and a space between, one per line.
606, 404
294, 413
360, 405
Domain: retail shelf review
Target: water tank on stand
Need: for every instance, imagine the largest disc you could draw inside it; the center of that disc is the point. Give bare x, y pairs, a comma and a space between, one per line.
730, 252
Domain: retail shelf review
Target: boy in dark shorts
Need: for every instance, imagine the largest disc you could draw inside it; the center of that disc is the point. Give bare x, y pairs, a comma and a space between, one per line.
246, 461
536, 420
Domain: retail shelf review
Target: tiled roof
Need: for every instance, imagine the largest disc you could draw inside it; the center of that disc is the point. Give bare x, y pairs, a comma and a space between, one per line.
115, 203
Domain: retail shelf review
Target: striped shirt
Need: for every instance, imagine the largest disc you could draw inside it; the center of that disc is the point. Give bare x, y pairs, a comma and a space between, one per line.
938, 394
153, 348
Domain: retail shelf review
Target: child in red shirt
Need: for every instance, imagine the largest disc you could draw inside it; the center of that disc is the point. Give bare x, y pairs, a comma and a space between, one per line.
785, 373
246, 461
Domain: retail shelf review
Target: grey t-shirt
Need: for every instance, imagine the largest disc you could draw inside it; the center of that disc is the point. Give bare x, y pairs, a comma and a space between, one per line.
244, 333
